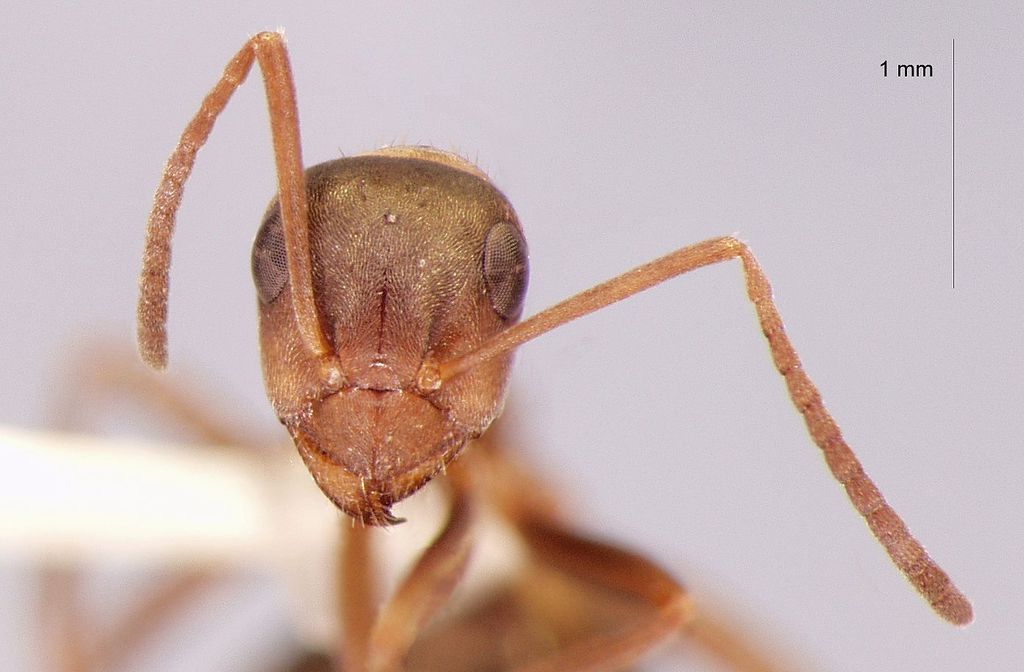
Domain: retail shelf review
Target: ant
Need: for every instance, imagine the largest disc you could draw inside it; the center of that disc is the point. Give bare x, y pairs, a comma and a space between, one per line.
390, 288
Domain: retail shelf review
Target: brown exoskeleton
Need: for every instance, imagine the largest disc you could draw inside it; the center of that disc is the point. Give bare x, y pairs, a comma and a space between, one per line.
390, 286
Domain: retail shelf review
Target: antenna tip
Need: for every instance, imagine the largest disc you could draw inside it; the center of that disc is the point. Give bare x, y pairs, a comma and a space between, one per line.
955, 608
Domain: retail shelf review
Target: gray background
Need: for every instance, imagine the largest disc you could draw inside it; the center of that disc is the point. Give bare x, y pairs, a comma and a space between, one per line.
620, 134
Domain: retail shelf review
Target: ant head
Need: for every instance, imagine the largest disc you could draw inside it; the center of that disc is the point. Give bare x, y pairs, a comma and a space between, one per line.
415, 258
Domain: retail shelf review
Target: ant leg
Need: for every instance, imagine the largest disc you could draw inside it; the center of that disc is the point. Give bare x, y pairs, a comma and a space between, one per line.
717, 635
80, 647
102, 373
379, 640
424, 590
889, 529
620, 571
63, 620
97, 374
531, 507
356, 595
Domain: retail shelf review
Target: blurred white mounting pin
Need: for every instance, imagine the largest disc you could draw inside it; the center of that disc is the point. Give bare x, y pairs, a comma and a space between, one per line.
106, 499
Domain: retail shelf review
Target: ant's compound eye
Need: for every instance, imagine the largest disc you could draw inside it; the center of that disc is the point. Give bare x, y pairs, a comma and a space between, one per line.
506, 269
270, 259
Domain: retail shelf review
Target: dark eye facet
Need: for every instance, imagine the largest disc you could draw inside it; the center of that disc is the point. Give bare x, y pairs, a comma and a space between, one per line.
506, 269
270, 259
